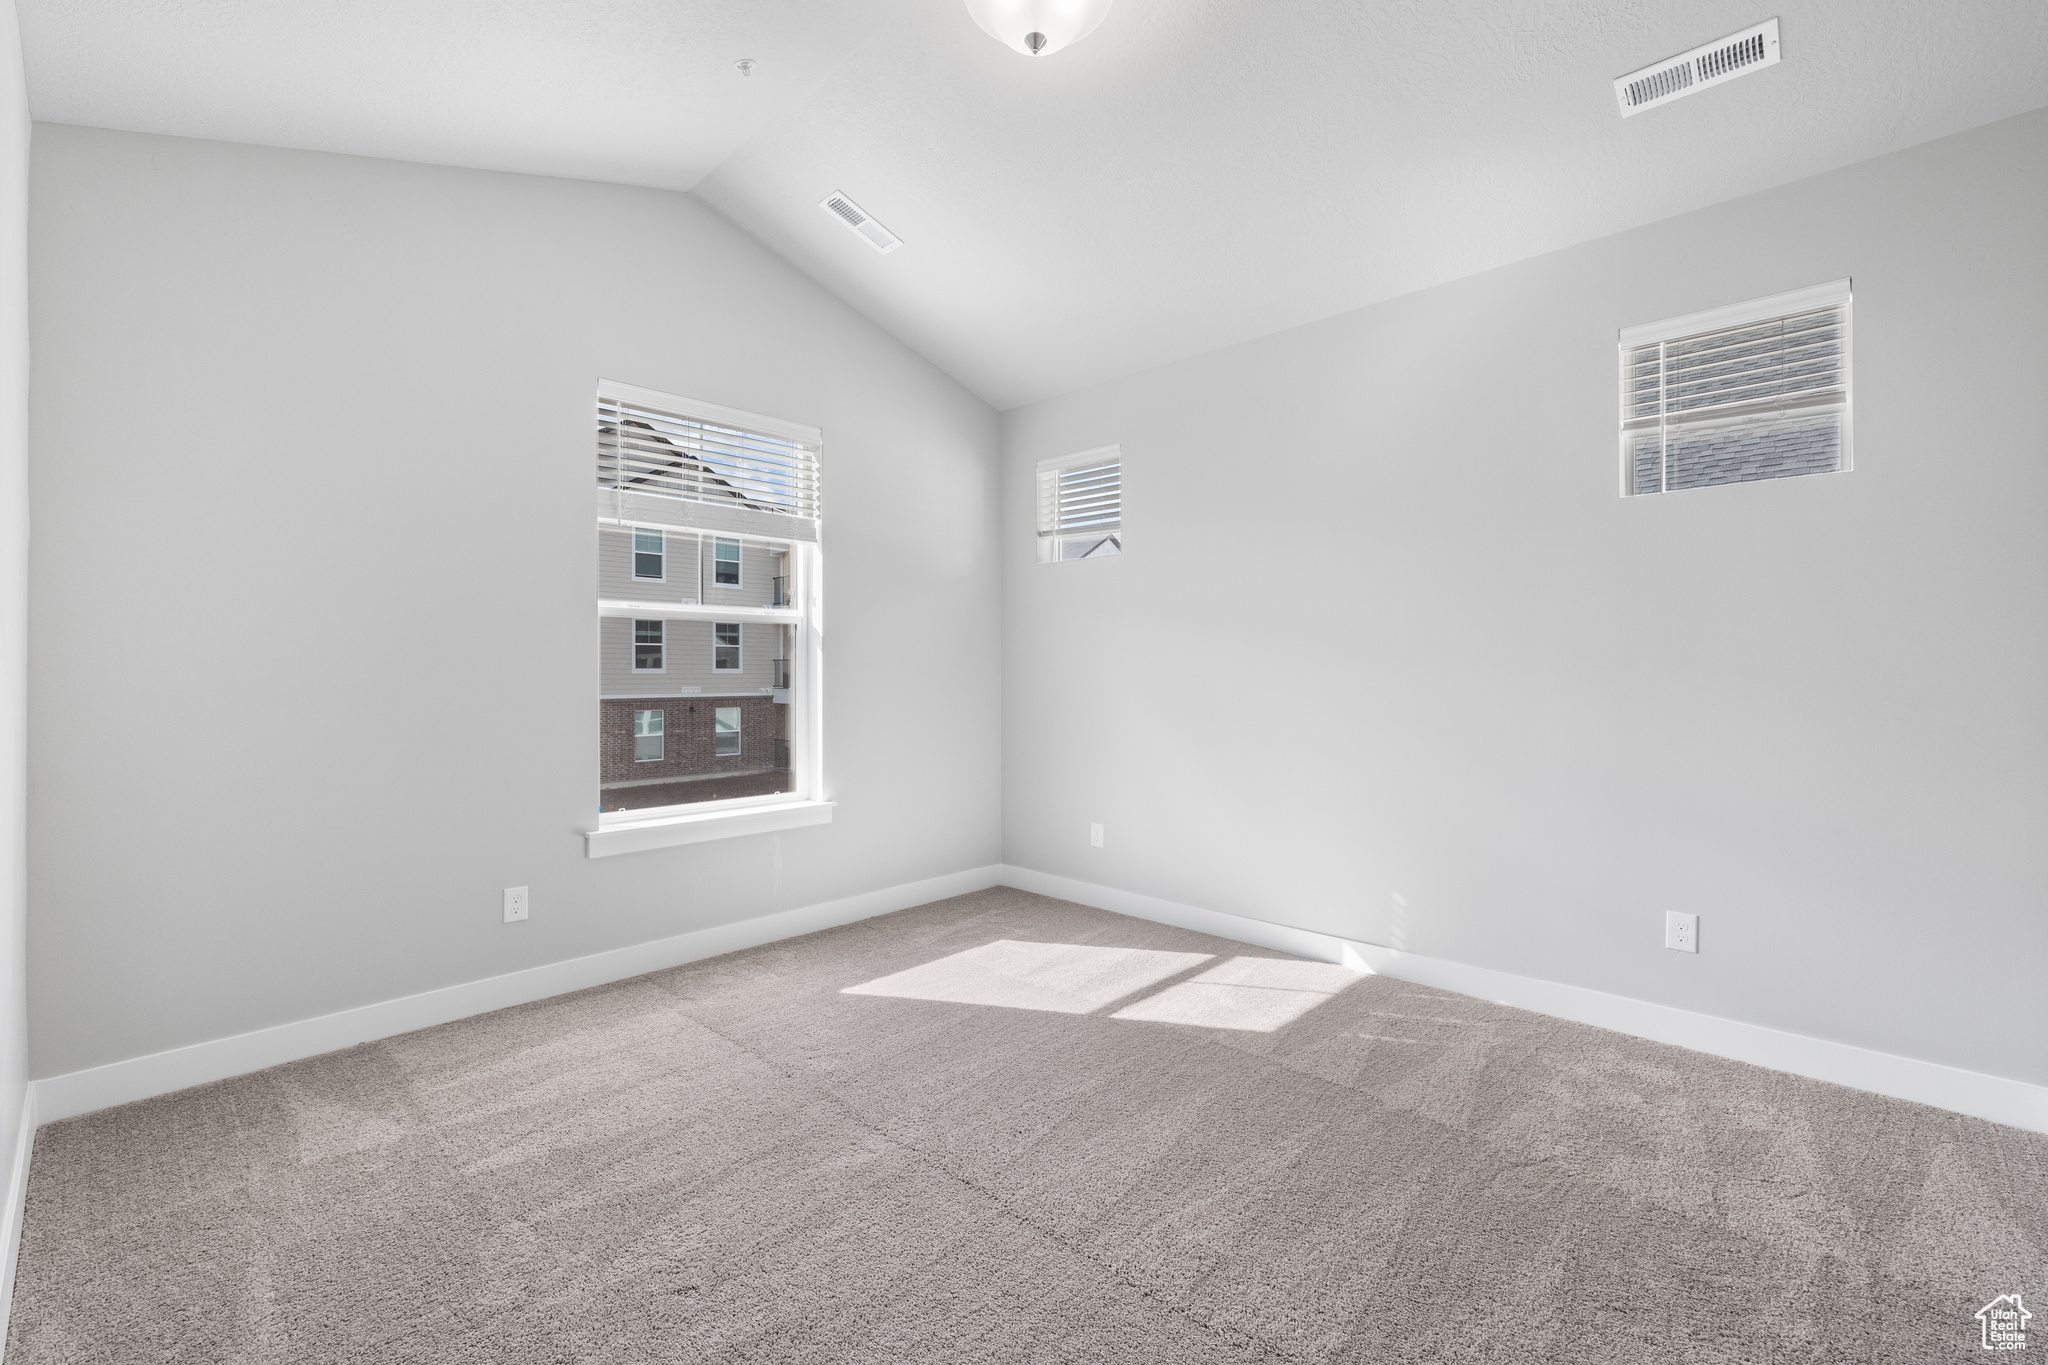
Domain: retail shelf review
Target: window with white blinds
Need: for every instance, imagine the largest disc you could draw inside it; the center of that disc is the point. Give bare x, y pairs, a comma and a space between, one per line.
1081, 505
708, 572
1758, 390
660, 463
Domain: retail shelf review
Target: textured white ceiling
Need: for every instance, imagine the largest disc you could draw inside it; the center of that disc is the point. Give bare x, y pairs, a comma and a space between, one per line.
1196, 173
645, 92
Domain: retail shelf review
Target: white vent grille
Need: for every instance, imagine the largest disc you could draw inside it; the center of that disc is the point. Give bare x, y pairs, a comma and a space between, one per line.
1738, 54
858, 219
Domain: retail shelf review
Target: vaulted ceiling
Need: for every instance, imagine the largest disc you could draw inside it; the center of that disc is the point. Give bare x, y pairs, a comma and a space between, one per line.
1198, 172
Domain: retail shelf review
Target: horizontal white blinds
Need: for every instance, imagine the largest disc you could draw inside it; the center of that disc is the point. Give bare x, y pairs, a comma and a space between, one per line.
1083, 496
1773, 366
1762, 397
666, 467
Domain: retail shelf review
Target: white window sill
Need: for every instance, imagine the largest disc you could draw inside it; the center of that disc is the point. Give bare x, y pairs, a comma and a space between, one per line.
698, 826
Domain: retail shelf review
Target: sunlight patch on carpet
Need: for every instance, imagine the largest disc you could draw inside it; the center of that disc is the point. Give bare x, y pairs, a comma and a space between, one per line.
1255, 994
1064, 978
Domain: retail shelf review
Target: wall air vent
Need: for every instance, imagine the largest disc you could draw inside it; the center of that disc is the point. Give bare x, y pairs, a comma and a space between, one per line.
1738, 54
856, 218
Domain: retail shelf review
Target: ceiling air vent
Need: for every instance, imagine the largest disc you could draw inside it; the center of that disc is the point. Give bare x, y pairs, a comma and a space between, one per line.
851, 214
1738, 54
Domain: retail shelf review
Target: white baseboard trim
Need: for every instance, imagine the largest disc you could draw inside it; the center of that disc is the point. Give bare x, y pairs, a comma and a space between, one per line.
17, 1202
2018, 1103
1258, 932
80, 1092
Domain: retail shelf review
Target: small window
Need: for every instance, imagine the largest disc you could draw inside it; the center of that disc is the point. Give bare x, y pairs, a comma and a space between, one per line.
725, 731
1081, 505
725, 563
650, 646
1758, 390
725, 648
648, 556
647, 735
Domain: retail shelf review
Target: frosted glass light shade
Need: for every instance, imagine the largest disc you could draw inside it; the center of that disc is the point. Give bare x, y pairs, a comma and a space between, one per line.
1038, 28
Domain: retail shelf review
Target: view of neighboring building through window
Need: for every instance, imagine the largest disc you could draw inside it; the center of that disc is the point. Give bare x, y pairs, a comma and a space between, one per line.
1757, 390
647, 736
1081, 505
649, 646
648, 554
707, 525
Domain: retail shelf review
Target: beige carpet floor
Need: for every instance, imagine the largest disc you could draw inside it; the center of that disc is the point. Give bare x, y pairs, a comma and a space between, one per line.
1005, 1128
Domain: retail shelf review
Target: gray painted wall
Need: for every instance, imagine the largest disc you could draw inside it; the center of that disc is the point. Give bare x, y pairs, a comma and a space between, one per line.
1449, 664
14, 374
294, 386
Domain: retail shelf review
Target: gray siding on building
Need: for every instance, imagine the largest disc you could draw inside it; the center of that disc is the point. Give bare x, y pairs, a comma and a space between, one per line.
759, 565
689, 659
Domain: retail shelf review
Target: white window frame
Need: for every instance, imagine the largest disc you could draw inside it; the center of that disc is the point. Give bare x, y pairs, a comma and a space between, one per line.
661, 734
739, 562
1045, 498
738, 731
1834, 294
738, 647
619, 832
663, 645
633, 553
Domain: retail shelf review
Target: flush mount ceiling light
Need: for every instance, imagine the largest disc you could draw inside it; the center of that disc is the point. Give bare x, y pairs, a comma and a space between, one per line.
1038, 28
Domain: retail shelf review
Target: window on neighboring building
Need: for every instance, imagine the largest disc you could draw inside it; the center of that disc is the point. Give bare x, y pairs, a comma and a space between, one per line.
739, 494
648, 555
1081, 505
650, 641
647, 735
1758, 390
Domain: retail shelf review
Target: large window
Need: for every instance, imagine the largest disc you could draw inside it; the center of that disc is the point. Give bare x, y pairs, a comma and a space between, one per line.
696, 657
1757, 390
1081, 505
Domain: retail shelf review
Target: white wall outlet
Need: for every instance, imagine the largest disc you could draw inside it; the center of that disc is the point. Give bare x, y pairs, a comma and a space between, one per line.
1681, 932
515, 904
1095, 836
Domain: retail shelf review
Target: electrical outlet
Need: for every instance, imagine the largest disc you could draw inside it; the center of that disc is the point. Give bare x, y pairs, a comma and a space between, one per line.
515, 904
1681, 931
1095, 836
